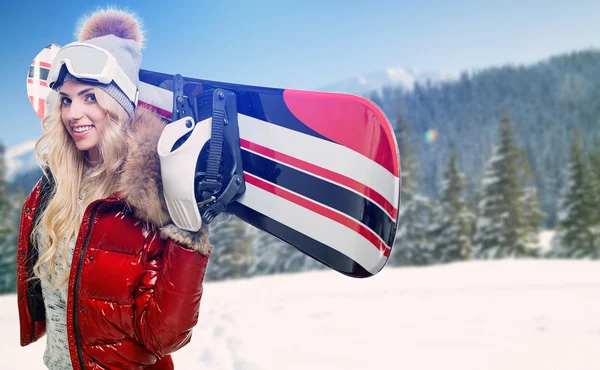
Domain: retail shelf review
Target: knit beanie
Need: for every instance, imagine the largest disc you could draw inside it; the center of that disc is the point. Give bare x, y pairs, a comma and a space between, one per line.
118, 33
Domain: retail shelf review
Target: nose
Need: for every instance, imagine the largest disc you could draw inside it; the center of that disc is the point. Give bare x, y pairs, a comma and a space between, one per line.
75, 111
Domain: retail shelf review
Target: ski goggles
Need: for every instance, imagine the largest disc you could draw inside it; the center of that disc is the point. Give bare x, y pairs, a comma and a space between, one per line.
92, 64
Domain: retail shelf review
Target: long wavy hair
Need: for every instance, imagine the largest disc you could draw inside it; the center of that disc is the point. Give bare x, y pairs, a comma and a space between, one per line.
75, 176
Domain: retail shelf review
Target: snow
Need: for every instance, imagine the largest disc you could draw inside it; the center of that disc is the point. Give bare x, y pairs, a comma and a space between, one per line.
20, 158
546, 239
526, 314
401, 76
392, 76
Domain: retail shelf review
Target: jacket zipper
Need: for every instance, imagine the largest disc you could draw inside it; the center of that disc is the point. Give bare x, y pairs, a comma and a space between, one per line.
76, 288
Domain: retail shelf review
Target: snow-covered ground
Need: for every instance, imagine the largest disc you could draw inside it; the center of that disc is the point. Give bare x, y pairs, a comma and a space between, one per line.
538, 314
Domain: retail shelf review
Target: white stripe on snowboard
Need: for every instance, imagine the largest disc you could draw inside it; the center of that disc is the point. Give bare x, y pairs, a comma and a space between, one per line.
315, 226
331, 156
159, 97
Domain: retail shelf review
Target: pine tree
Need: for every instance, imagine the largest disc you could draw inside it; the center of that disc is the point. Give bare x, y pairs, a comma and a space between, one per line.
411, 246
452, 229
10, 206
274, 256
233, 250
530, 205
575, 237
595, 197
503, 229
532, 216
267, 249
409, 168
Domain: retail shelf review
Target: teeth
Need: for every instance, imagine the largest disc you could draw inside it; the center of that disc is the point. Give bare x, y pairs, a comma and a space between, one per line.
82, 129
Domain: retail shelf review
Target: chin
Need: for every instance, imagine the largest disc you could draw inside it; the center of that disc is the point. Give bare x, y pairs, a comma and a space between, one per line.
86, 145
85, 148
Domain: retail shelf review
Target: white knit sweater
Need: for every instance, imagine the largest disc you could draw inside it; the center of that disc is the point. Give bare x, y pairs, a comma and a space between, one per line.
56, 355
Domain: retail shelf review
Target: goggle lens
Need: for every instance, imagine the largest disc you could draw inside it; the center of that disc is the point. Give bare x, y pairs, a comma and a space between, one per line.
84, 60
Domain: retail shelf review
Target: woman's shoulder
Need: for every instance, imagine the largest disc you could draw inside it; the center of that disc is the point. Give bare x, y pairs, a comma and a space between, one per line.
140, 182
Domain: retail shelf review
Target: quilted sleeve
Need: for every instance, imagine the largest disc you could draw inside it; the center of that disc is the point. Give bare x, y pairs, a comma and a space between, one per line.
167, 301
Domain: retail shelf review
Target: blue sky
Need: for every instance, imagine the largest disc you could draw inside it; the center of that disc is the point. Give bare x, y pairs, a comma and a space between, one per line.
302, 44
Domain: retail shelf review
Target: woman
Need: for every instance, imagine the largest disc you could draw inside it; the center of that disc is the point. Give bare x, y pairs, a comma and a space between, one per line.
102, 270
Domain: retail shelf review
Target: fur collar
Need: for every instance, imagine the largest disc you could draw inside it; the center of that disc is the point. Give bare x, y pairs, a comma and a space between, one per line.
140, 183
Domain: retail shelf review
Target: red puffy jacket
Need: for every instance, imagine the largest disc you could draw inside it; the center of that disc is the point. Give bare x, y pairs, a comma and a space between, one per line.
133, 292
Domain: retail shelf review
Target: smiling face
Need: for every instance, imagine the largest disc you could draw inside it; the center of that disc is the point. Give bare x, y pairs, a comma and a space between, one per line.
81, 114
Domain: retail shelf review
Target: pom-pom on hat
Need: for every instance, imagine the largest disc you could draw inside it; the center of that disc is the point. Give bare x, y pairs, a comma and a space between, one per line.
119, 33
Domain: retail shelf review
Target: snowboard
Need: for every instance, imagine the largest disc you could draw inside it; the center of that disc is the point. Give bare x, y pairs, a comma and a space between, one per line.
321, 170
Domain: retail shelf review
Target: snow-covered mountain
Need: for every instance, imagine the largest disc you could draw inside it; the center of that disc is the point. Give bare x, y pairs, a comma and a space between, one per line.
396, 77
20, 158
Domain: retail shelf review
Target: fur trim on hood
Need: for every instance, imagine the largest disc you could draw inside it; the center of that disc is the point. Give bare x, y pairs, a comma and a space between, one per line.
141, 182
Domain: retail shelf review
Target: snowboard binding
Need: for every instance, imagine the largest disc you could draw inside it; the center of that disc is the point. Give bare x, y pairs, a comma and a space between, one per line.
201, 163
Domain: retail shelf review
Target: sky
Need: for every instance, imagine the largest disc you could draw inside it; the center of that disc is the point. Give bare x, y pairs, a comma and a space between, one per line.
493, 315
304, 44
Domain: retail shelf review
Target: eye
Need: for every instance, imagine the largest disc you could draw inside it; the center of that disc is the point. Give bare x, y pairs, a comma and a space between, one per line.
65, 101
90, 98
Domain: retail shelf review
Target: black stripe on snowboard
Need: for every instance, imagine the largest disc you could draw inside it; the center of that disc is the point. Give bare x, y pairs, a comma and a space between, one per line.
315, 249
322, 191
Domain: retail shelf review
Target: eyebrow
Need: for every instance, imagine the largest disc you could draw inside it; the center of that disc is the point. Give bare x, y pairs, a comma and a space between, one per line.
79, 93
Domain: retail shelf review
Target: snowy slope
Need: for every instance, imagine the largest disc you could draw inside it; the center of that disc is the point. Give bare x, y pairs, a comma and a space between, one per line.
397, 77
472, 315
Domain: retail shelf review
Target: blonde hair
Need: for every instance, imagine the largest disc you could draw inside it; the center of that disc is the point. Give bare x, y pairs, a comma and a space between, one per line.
72, 173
